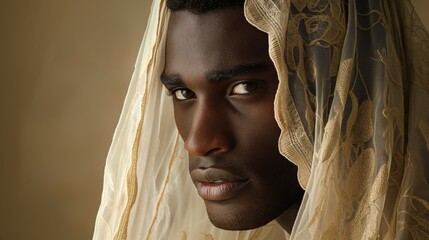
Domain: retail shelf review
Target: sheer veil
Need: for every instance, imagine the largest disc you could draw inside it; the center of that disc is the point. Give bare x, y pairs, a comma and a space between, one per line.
352, 105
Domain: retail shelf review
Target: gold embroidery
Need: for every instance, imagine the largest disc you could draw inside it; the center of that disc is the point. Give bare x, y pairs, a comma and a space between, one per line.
343, 80
164, 186
361, 172
363, 128
132, 185
418, 234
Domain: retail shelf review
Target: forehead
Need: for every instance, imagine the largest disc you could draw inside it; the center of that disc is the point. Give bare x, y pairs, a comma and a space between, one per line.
211, 41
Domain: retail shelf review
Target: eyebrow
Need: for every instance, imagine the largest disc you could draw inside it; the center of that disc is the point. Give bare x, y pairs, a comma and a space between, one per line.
218, 75
171, 79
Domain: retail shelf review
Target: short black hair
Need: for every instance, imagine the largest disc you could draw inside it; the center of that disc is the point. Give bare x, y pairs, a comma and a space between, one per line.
201, 6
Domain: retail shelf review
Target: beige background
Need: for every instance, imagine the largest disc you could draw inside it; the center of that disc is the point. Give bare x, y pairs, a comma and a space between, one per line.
64, 70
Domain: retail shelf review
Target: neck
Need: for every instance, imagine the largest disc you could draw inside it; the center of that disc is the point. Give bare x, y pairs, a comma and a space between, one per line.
287, 219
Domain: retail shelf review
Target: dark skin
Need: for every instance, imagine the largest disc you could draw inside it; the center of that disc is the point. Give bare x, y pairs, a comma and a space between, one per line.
223, 85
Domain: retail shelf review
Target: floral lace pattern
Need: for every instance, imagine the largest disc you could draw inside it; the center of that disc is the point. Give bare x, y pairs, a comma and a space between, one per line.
357, 78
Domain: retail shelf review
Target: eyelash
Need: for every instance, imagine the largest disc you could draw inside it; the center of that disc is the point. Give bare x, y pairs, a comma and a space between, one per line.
171, 92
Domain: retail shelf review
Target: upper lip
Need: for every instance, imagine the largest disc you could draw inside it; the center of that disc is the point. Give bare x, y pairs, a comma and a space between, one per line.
213, 175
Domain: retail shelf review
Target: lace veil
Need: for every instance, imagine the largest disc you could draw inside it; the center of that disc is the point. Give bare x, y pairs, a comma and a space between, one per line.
352, 106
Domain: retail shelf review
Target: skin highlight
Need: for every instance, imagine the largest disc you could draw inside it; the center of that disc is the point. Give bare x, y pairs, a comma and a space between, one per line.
223, 85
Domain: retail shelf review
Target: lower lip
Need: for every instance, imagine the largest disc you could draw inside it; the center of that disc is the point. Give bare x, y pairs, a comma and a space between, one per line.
220, 191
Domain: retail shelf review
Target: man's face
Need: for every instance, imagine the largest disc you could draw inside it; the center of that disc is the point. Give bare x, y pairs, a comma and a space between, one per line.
223, 85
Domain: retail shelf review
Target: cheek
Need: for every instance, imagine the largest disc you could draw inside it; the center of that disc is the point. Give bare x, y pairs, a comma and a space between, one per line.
257, 122
258, 115
258, 134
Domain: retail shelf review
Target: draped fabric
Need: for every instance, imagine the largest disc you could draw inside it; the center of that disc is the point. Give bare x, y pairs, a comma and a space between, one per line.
352, 107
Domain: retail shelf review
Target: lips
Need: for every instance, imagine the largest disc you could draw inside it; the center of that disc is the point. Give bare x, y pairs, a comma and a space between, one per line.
217, 184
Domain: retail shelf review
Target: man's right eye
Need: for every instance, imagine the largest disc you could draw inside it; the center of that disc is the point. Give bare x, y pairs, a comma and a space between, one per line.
183, 94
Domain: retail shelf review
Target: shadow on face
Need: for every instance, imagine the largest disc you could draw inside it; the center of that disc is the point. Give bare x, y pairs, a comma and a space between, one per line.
223, 85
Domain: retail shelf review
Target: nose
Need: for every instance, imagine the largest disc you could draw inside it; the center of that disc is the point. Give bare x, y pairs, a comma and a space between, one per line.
210, 132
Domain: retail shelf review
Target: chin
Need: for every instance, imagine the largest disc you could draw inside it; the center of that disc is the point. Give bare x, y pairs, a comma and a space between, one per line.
233, 219
234, 224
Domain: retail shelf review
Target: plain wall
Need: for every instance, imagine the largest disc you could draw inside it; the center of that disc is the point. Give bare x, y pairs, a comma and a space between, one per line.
65, 66
64, 69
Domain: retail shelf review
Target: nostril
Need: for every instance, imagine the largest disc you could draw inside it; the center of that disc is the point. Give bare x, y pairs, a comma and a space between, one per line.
214, 150
200, 147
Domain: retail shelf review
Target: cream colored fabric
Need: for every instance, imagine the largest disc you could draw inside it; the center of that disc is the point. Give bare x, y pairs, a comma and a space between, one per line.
351, 103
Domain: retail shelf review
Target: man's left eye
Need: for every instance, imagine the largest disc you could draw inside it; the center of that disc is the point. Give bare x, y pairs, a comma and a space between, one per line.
242, 88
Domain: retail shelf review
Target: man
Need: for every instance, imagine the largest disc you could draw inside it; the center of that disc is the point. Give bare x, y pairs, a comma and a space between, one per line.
337, 88
223, 84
